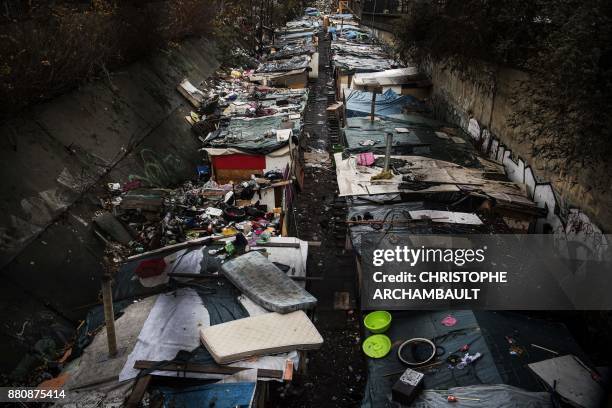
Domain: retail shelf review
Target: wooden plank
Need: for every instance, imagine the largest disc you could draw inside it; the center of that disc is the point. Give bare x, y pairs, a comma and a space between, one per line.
180, 245
138, 391
278, 245
279, 184
202, 368
288, 372
175, 247
193, 275
213, 276
342, 301
224, 176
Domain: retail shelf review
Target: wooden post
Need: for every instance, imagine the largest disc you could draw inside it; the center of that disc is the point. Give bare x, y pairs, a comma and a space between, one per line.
343, 109
373, 108
109, 315
388, 151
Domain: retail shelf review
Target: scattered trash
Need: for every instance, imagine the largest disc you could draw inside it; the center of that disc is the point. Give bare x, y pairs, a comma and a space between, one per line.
365, 159
449, 321
407, 387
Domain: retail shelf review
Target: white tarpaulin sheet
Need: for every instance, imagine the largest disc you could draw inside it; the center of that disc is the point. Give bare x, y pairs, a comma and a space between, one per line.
173, 325
449, 217
499, 396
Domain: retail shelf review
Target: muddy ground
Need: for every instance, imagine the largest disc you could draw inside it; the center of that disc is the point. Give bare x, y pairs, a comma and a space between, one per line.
335, 374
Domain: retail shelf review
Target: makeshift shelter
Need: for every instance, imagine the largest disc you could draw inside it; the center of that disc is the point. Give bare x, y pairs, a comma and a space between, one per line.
160, 334
359, 103
297, 78
402, 81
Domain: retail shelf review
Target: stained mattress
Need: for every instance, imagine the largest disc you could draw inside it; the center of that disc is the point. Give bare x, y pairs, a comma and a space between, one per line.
266, 285
270, 333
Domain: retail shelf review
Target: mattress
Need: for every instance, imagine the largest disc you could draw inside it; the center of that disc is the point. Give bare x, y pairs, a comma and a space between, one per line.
270, 333
262, 281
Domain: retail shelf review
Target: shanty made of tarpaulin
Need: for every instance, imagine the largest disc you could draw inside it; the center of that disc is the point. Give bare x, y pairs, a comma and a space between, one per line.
391, 77
359, 103
486, 332
291, 50
412, 135
311, 11
298, 62
358, 50
303, 23
256, 135
362, 64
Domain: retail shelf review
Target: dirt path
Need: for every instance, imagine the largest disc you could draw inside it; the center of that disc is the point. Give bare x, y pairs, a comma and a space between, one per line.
335, 374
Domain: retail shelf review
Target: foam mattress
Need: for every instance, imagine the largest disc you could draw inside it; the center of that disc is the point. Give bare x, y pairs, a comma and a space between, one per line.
262, 281
270, 333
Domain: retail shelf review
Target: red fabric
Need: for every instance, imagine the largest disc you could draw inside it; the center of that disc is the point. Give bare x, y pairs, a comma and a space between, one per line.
239, 161
150, 267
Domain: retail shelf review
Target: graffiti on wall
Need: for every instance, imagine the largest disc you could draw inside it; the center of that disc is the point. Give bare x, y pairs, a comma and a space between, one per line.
572, 223
158, 170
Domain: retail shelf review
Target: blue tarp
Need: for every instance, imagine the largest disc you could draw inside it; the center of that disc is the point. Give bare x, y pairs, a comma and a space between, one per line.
359, 103
218, 395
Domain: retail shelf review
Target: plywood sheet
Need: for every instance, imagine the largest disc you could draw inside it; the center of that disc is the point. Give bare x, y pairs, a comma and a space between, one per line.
571, 379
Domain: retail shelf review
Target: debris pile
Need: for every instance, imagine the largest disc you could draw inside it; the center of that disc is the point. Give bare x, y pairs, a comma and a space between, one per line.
198, 265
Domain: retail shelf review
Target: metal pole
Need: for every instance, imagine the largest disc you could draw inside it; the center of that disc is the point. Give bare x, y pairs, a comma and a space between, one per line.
109, 315
373, 108
388, 151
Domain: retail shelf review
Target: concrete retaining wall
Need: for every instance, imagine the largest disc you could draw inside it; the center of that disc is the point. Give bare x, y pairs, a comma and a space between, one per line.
57, 156
579, 203
575, 206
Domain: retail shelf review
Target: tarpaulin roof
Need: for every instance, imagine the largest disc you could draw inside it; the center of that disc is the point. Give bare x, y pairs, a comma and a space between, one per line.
219, 395
486, 332
366, 136
364, 50
297, 62
253, 135
362, 64
291, 50
305, 22
398, 76
421, 138
359, 103
399, 214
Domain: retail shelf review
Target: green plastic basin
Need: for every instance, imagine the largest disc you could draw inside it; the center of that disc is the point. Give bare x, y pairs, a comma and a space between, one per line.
378, 321
376, 346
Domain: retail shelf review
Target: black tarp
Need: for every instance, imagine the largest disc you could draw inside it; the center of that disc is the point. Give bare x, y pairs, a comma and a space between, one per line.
293, 63
486, 332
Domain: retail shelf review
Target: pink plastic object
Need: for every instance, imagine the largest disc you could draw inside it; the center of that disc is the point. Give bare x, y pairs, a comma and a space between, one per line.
365, 159
449, 321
